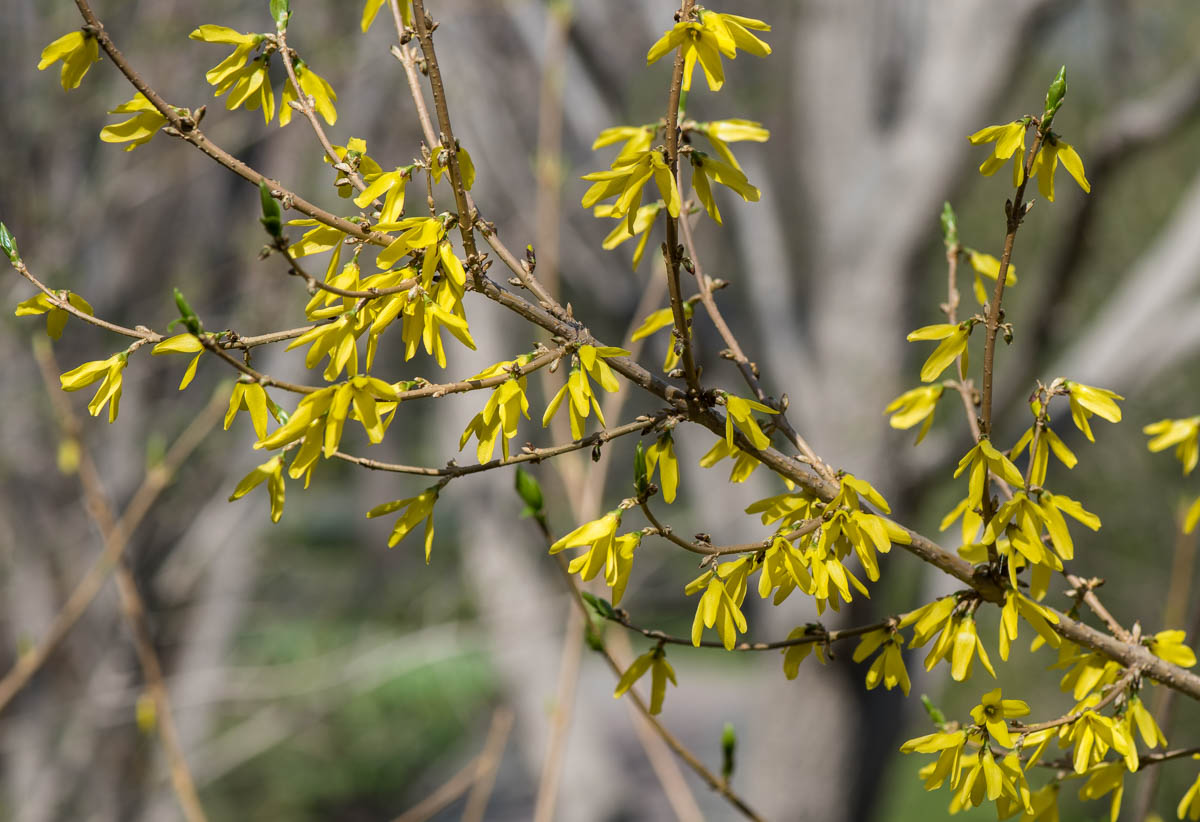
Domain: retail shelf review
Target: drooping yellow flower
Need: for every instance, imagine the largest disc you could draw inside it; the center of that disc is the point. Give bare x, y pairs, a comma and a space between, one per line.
722, 132
655, 661
1016, 603
953, 344
1170, 645
738, 412
372, 8
605, 550
579, 389
913, 407
389, 185
246, 84
1190, 804
416, 509
77, 50
1184, 434
1008, 138
706, 40
705, 168
661, 455
1047, 442
888, 667
744, 464
1087, 400
988, 266
643, 221
56, 318
272, 472
315, 86
110, 371
984, 457
626, 180
441, 164
637, 139
183, 344
138, 129
500, 415
658, 320
250, 397
720, 604
1046, 162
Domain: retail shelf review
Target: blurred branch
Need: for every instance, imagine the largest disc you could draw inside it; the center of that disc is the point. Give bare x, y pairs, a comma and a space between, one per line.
116, 537
132, 605
478, 776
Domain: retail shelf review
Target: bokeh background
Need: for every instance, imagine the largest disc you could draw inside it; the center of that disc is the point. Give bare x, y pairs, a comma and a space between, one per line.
317, 675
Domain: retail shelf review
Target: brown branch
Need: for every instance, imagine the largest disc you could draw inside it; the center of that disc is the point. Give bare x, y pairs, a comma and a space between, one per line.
689, 758
529, 453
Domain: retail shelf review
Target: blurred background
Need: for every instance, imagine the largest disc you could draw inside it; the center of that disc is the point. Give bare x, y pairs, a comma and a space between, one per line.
317, 675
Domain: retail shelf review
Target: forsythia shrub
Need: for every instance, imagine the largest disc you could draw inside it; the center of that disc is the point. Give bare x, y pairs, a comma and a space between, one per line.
416, 277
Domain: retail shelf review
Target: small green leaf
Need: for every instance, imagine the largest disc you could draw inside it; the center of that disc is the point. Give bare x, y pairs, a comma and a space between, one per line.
530, 493
728, 749
641, 479
187, 317
9, 243
272, 218
601, 606
935, 715
1054, 96
280, 11
949, 225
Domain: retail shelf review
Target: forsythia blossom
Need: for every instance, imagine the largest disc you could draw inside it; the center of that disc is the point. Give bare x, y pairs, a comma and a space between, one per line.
272, 472
77, 50
705, 41
56, 317
110, 371
416, 509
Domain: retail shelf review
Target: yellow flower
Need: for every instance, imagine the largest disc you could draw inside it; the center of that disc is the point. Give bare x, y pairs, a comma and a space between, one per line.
247, 84
661, 455
501, 414
1008, 138
1136, 714
637, 139
582, 398
608, 551
949, 747
720, 606
658, 320
78, 50
313, 85
56, 318
704, 167
109, 371
416, 509
743, 465
655, 661
415, 233
1169, 645
372, 8
643, 221
705, 41
983, 458
1047, 441
953, 344
1091, 735
966, 644
992, 711
316, 240
251, 397
988, 266
1087, 400
915, 406
1184, 434
1190, 804
183, 344
722, 132
1046, 162
1016, 603
888, 667
272, 472
138, 129
738, 412
441, 164
390, 186
793, 655
626, 179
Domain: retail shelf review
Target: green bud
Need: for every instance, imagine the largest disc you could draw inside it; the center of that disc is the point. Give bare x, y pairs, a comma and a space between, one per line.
1054, 96
530, 493
949, 225
9, 243
280, 11
935, 715
728, 748
593, 637
641, 479
186, 316
601, 606
272, 218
